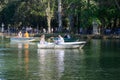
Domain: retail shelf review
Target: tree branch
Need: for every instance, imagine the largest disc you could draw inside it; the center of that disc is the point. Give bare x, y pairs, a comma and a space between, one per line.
116, 2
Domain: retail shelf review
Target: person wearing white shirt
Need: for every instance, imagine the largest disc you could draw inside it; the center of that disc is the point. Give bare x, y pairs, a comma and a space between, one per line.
20, 34
60, 39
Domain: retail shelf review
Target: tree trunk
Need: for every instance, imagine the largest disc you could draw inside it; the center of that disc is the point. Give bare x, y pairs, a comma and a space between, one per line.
49, 24
71, 22
49, 15
117, 3
59, 16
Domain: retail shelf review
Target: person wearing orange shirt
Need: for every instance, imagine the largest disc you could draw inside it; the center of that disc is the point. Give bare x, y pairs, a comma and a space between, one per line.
26, 34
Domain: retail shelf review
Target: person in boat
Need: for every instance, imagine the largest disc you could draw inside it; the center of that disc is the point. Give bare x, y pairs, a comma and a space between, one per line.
26, 34
20, 34
42, 39
67, 36
60, 40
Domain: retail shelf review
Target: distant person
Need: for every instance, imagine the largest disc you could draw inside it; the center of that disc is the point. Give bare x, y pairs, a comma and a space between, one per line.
20, 34
42, 39
26, 34
44, 30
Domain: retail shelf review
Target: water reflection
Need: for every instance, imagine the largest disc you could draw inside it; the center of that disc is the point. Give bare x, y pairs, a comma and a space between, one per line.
99, 60
91, 62
20, 45
26, 58
51, 63
20, 55
24, 47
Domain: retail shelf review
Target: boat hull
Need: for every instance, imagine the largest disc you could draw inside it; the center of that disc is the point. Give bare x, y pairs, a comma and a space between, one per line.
22, 39
66, 45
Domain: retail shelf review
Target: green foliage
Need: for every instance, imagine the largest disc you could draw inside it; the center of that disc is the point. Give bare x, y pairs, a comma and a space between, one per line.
8, 12
82, 12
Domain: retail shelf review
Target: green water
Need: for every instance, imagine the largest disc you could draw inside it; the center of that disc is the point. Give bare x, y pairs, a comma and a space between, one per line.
98, 60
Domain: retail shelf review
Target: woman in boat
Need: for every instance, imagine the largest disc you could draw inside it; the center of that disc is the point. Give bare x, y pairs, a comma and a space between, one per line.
20, 34
60, 39
42, 39
26, 34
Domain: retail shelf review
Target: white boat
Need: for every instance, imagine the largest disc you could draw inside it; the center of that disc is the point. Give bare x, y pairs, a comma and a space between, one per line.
22, 39
66, 45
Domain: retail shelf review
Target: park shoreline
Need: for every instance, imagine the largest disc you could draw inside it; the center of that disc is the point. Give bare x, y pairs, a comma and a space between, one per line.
80, 36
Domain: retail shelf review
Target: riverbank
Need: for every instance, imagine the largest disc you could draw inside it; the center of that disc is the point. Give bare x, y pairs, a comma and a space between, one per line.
99, 36
79, 36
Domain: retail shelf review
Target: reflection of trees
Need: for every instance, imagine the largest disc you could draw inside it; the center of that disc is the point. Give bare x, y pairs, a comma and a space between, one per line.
51, 63
74, 65
92, 65
109, 60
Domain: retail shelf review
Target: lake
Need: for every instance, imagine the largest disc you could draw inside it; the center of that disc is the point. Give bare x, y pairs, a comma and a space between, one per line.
98, 60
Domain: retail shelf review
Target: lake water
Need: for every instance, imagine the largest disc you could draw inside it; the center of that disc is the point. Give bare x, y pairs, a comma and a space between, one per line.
98, 60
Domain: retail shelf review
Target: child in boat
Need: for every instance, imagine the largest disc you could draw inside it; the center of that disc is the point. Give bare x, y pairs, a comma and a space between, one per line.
20, 34
42, 39
26, 34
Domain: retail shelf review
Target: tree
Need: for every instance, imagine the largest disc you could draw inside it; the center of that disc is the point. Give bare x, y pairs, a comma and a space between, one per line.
70, 14
44, 8
117, 4
50, 13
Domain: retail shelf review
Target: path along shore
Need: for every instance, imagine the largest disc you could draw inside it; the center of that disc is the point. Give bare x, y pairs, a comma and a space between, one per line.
82, 36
